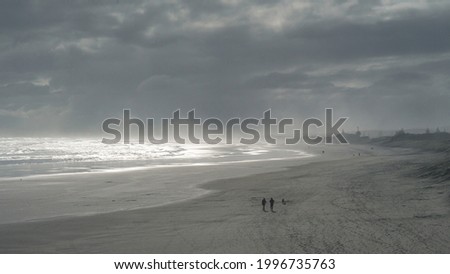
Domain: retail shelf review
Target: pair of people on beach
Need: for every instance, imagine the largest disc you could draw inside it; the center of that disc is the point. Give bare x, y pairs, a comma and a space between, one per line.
264, 202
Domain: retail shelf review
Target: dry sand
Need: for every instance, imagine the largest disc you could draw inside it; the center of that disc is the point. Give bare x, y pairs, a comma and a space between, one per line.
373, 203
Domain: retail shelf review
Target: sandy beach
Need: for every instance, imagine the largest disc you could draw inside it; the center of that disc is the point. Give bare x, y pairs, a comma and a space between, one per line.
336, 203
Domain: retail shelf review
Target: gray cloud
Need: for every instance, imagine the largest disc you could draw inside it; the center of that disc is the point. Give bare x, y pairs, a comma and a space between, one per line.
68, 65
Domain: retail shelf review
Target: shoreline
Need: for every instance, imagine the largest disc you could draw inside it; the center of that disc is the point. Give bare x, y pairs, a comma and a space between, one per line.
92, 193
53, 196
145, 168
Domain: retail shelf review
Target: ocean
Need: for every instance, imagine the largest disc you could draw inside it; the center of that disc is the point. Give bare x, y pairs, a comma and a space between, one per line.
23, 157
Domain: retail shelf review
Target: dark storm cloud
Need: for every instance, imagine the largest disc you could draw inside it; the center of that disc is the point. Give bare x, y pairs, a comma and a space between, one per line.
68, 65
420, 34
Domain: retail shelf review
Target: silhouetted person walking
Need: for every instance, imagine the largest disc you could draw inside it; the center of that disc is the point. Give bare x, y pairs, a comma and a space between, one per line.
264, 204
272, 201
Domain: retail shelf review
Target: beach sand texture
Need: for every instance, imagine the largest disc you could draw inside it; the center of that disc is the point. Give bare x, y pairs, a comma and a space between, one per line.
373, 203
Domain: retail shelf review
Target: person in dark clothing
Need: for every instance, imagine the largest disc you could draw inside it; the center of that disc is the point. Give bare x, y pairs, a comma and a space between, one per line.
264, 204
272, 201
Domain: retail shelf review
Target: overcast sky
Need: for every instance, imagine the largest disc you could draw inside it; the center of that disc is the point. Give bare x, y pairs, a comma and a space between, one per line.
65, 66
